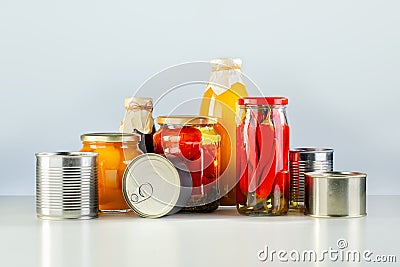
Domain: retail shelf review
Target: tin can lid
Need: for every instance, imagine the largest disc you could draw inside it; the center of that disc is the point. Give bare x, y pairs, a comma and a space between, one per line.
151, 185
311, 154
186, 120
110, 137
273, 100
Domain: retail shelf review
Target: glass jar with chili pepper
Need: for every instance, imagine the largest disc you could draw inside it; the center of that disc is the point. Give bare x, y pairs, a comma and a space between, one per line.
116, 151
262, 156
193, 146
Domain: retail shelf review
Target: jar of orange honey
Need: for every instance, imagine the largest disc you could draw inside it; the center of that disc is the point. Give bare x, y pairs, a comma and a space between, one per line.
115, 152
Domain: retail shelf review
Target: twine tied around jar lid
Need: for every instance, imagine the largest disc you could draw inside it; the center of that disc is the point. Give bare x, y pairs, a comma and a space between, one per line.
135, 106
138, 115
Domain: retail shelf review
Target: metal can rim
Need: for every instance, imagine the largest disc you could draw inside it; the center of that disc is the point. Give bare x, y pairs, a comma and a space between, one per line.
311, 150
335, 175
65, 154
124, 184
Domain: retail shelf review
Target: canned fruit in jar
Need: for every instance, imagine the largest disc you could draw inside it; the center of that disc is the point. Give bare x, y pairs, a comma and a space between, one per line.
114, 153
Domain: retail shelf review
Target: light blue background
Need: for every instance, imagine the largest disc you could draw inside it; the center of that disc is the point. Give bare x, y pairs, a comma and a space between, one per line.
65, 67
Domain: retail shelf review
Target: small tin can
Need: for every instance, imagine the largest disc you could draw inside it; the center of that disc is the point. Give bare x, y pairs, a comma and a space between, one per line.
153, 187
335, 194
66, 185
302, 160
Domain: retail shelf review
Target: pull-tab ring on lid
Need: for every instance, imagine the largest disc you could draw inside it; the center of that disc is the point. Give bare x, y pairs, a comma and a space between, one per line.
143, 192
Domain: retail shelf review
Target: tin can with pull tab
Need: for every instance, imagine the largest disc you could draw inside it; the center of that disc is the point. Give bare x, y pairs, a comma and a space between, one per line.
153, 187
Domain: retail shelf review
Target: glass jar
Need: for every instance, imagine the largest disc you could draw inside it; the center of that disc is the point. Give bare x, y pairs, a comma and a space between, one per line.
138, 119
262, 158
115, 151
220, 98
192, 145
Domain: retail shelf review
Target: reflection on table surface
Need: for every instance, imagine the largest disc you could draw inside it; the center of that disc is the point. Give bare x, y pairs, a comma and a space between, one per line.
222, 238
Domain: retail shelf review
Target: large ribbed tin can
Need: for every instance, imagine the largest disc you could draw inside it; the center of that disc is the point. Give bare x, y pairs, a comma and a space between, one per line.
304, 160
66, 185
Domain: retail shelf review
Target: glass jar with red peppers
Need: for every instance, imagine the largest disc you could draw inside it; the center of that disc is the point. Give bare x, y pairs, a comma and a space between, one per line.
193, 146
262, 156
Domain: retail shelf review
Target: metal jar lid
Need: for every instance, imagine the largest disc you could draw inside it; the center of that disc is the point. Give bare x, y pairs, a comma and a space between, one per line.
186, 120
110, 137
335, 194
153, 187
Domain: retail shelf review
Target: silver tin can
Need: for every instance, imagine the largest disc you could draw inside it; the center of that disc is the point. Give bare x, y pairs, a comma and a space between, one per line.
66, 185
335, 194
304, 160
153, 187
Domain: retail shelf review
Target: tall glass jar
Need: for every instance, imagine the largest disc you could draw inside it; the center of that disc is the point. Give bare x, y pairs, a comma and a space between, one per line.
192, 145
220, 98
115, 151
262, 157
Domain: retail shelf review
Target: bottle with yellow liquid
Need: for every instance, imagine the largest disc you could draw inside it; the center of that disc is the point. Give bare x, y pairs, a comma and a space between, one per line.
224, 89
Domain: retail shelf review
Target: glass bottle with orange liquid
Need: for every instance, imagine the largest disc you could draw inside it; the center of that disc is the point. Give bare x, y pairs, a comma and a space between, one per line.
224, 89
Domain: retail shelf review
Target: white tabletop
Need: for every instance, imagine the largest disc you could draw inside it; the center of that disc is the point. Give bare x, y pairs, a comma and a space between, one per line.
222, 238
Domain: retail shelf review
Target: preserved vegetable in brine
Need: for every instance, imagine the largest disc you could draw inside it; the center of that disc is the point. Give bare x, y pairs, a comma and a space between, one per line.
192, 145
262, 157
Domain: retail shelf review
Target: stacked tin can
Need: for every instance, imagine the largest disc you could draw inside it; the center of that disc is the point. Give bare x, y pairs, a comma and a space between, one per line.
303, 160
66, 185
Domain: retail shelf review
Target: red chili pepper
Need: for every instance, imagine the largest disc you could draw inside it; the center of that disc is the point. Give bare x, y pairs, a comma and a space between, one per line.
267, 178
265, 137
253, 152
244, 180
282, 182
267, 144
286, 145
241, 162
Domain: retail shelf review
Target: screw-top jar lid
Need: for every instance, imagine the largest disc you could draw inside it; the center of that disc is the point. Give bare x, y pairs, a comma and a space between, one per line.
186, 120
110, 137
275, 100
